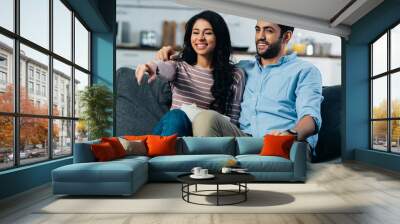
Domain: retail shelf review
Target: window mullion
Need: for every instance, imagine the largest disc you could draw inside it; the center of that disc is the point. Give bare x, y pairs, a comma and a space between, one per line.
73, 82
16, 83
389, 106
50, 79
371, 89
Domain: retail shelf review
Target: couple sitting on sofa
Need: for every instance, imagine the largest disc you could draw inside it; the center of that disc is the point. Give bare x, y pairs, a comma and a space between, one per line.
274, 94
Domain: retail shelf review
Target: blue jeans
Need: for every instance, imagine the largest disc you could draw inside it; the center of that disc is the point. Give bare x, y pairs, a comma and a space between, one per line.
174, 122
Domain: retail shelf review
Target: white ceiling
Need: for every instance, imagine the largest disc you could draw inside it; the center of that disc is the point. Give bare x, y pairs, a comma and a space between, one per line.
324, 16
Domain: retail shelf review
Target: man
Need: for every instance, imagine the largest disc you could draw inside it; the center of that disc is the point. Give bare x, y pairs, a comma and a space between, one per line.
282, 95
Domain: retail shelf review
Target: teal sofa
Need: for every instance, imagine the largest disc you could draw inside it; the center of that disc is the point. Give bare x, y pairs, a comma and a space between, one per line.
125, 176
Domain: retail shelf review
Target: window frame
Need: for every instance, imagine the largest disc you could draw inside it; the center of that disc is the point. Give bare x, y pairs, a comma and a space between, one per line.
16, 114
388, 74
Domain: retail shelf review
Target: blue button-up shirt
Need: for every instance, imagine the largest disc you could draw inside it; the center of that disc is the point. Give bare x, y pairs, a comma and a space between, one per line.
277, 96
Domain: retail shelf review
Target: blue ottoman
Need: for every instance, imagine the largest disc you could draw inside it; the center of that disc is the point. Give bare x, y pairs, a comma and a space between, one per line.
118, 177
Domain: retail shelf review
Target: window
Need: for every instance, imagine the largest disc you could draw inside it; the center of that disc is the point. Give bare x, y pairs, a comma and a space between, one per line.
62, 29
30, 87
30, 72
62, 75
34, 21
38, 89
3, 61
3, 72
81, 45
385, 94
44, 91
54, 126
7, 14
37, 75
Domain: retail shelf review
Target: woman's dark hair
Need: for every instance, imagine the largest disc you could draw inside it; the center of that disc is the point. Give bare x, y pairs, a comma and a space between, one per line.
222, 66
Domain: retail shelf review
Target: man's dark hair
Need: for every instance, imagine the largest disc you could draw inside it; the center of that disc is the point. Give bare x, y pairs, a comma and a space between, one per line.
284, 29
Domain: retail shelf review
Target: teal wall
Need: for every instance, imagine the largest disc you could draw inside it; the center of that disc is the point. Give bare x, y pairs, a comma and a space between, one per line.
103, 51
24, 178
99, 15
355, 80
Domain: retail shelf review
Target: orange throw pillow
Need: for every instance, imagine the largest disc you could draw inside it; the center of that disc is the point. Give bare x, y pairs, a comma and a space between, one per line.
103, 152
161, 145
116, 145
135, 137
277, 145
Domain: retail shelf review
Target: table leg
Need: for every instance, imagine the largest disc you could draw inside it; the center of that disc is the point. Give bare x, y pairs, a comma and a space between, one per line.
196, 188
245, 193
217, 194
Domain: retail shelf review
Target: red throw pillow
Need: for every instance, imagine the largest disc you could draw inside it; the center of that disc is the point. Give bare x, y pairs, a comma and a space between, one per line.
135, 137
116, 145
277, 145
103, 151
161, 145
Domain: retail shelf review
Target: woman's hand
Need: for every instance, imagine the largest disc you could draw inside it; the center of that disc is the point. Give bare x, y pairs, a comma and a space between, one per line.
166, 53
142, 69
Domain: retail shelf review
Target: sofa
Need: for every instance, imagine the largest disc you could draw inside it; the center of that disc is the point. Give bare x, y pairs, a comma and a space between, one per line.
125, 176
138, 109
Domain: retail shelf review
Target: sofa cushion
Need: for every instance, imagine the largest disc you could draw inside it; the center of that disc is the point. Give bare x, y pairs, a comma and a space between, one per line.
103, 152
206, 145
135, 147
249, 145
132, 158
161, 145
257, 163
185, 163
112, 171
116, 145
83, 152
277, 145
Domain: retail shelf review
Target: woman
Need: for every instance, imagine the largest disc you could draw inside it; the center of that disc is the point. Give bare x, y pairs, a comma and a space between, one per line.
202, 75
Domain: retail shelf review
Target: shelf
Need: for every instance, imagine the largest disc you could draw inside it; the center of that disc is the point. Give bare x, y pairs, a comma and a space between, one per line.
137, 48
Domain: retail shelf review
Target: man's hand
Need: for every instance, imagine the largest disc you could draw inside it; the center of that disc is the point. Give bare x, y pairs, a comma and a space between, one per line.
279, 133
166, 53
142, 69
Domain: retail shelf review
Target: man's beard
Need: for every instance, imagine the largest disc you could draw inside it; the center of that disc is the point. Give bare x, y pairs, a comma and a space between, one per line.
272, 50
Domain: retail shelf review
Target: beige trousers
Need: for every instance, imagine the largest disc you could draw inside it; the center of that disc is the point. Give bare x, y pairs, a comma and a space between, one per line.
212, 124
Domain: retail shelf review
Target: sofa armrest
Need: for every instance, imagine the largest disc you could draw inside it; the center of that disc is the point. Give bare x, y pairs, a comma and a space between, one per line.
298, 155
83, 152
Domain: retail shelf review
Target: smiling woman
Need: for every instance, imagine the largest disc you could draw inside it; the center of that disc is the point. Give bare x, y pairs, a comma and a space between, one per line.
202, 75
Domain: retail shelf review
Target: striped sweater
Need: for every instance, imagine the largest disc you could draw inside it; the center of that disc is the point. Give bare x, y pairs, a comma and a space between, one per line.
192, 84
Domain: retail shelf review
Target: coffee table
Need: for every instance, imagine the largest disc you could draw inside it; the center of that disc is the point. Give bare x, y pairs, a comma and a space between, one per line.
238, 179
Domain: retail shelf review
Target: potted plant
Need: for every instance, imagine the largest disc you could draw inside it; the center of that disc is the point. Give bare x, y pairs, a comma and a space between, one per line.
96, 102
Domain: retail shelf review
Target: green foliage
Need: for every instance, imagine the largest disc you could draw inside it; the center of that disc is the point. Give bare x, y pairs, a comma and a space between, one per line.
97, 103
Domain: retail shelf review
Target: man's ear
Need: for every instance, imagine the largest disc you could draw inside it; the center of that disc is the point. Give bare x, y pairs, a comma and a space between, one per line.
287, 36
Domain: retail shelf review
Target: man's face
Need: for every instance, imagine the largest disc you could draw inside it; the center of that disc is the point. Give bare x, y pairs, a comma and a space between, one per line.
268, 41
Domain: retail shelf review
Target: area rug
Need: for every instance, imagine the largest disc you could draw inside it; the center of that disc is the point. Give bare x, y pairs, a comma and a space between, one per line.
167, 198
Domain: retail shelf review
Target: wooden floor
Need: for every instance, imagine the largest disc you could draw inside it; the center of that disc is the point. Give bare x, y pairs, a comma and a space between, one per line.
377, 188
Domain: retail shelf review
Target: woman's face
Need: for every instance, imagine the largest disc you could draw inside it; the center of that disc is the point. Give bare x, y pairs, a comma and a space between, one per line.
203, 38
